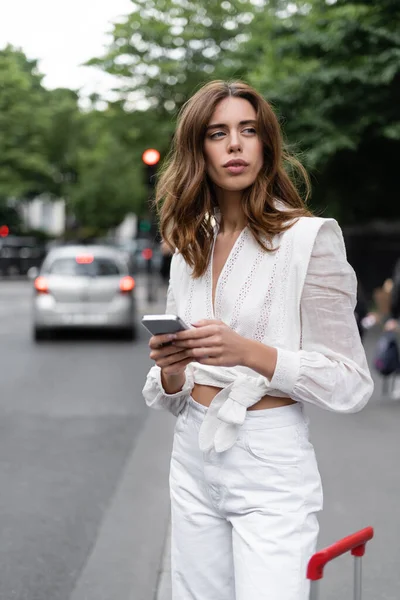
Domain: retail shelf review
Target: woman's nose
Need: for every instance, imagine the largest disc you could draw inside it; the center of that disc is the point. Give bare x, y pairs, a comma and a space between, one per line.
234, 144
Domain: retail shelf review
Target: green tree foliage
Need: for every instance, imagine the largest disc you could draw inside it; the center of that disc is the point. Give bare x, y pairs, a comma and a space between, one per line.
164, 49
38, 131
109, 172
48, 145
24, 169
334, 72
63, 137
330, 68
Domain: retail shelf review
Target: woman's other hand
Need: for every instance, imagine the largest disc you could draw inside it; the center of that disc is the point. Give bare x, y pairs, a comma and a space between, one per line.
211, 342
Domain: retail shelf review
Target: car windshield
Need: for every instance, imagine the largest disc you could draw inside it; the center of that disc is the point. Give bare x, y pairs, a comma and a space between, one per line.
83, 266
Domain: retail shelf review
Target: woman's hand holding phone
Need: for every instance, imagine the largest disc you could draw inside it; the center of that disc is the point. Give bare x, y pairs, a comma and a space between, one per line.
209, 342
171, 359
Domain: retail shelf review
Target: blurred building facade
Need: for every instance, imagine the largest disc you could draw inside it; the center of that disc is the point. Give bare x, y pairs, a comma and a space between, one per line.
373, 250
127, 230
44, 214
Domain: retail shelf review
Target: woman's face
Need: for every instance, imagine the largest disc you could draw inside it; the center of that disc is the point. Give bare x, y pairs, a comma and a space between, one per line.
232, 147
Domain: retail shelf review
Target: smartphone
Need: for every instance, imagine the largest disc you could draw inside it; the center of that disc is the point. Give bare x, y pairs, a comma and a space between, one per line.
161, 324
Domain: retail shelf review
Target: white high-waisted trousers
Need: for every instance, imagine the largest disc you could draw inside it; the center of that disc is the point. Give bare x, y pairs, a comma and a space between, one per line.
244, 521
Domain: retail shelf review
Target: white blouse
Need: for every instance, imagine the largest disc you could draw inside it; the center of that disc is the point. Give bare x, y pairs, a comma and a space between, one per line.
299, 299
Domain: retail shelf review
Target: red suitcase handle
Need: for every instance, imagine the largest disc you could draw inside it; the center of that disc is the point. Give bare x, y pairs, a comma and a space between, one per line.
354, 543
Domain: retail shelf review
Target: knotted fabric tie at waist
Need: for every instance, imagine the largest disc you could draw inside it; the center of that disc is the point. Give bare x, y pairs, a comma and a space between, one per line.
227, 413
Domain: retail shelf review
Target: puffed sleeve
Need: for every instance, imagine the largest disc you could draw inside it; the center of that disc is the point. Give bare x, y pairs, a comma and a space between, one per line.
153, 391
331, 369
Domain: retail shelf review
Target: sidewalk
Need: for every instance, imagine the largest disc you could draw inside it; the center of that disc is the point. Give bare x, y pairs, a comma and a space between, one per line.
164, 580
126, 558
164, 583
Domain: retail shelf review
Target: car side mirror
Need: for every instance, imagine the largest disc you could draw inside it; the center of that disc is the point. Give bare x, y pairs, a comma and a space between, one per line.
32, 273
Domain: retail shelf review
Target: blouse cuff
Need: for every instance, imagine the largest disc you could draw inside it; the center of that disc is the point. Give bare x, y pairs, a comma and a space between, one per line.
186, 389
286, 371
156, 397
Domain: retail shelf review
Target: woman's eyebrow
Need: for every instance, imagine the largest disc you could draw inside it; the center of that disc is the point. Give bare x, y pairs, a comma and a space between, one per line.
221, 125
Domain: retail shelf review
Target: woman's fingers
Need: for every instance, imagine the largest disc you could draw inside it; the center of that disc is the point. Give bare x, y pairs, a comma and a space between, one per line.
204, 342
171, 355
163, 352
205, 352
198, 333
158, 341
171, 359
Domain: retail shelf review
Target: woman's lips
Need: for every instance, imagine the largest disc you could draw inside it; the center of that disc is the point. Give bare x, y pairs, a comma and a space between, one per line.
236, 169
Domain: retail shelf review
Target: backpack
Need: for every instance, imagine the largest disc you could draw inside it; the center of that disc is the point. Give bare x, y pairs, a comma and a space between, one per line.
387, 356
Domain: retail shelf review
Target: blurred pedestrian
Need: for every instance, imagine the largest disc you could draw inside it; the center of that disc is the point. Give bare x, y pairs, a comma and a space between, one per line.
270, 297
166, 257
392, 323
361, 310
394, 315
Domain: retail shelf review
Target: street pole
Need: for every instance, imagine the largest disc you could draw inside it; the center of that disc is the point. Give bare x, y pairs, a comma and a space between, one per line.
150, 158
150, 280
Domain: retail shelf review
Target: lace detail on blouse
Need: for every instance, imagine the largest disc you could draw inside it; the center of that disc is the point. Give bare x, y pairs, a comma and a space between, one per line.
227, 270
246, 289
188, 311
263, 321
208, 278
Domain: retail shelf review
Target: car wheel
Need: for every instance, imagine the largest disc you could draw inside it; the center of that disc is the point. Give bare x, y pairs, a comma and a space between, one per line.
41, 335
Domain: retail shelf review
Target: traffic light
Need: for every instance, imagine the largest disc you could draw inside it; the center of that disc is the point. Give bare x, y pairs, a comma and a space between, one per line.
144, 225
150, 158
4, 231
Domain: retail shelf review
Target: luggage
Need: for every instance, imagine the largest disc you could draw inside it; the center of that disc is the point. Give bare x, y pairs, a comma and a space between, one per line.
355, 544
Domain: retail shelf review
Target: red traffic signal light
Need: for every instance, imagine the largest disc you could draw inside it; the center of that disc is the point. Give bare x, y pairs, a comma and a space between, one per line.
4, 231
147, 253
150, 157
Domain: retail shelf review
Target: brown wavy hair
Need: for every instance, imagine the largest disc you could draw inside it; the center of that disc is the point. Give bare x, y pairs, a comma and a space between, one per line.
185, 198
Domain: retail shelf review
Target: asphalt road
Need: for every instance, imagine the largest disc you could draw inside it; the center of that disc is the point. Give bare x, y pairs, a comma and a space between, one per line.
83, 463
83, 471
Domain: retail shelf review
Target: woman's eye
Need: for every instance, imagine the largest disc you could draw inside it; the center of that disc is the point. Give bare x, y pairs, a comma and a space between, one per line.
216, 135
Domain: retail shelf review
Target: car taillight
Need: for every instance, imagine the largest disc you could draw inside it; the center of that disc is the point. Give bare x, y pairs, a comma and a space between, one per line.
85, 259
126, 284
41, 285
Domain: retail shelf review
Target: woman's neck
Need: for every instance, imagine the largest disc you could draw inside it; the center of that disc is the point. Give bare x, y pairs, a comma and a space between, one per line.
231, 208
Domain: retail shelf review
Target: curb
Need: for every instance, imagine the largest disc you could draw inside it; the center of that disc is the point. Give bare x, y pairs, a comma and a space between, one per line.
164, 591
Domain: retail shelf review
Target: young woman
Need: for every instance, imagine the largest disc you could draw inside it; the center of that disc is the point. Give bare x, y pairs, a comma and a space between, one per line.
270, 295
